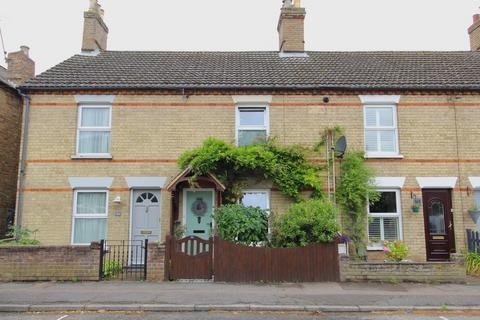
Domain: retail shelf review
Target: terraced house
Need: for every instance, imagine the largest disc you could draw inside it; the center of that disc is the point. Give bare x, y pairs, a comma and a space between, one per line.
106, 128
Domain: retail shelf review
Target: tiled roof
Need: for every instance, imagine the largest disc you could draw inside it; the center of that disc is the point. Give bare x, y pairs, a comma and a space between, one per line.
264, 70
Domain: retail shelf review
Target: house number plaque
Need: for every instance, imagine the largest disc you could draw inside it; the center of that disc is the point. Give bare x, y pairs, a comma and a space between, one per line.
146, 232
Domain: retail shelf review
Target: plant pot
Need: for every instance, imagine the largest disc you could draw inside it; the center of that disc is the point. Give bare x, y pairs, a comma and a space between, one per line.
475, 215
416, 209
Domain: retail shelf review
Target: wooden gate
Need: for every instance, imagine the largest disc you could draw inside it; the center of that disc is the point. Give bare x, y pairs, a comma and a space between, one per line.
189, 258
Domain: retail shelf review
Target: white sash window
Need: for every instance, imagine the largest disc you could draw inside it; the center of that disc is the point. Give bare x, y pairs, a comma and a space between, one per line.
94, 129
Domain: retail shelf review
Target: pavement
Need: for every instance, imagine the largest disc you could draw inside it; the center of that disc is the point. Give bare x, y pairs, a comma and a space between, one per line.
207, 296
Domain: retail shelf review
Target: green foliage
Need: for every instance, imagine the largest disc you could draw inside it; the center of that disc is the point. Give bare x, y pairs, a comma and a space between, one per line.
312, 221
19, 237
396, 251
239, 224
286, 166
354, 190
111, 268
472, 261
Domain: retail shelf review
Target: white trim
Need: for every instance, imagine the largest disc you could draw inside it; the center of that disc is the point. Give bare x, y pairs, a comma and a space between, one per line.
266, 191
87, 216
95, 99
145, 182
389, 182
252, 99
377, 128
475, 182
397, 214
266, 119
184, 205
90, 182
380, 99
80, 129
437, 182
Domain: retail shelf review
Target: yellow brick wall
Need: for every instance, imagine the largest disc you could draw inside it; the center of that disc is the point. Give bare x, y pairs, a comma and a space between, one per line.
154, 130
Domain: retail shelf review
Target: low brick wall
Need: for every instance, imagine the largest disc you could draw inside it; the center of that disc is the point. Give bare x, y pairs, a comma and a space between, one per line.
50, 263
423, 272
156, 262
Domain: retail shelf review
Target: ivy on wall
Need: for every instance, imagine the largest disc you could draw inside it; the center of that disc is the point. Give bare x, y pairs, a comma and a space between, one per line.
286, 166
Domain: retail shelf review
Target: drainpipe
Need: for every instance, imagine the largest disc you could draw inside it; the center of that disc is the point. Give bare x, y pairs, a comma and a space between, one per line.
23, 155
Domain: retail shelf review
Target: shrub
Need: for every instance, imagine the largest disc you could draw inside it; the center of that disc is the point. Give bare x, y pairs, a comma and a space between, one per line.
473, 263
111, 268
304, 223
21, 237
395, 250
239, 224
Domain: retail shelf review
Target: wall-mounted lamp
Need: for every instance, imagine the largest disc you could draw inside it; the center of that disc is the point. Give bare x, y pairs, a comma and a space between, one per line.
117, 200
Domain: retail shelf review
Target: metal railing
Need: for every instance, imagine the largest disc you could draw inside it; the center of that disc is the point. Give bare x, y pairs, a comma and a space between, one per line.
123, 259
473, 241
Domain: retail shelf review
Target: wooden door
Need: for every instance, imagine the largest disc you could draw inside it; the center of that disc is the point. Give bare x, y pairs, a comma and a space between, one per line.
439, 229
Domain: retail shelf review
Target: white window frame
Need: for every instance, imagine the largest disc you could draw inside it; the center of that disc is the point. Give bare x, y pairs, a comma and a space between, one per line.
93, 129
376, 128
266, 119
87, 216
267, 192
397, 214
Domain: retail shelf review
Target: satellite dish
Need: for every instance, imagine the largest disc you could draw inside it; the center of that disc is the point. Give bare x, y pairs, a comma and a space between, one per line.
341, 146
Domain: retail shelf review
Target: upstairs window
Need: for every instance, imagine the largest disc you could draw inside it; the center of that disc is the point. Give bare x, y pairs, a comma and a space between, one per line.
381, 134
94, 130
384, 219
252, 125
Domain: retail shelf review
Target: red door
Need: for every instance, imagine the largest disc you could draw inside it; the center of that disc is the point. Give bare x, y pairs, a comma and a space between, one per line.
439, 230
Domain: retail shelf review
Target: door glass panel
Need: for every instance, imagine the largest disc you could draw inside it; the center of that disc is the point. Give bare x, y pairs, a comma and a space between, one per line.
436, 217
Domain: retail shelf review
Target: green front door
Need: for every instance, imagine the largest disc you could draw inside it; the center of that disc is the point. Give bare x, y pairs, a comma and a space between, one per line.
198, 213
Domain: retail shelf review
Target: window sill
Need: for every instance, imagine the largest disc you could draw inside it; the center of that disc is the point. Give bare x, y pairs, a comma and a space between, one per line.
92, 156
374, 248
384, 156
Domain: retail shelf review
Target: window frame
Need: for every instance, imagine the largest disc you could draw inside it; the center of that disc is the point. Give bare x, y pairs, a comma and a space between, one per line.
398, 214
267, 192
266, 119
76, 215
80, 129
377, 128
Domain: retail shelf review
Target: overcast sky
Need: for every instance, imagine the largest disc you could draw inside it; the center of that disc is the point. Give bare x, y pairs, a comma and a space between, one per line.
53, 28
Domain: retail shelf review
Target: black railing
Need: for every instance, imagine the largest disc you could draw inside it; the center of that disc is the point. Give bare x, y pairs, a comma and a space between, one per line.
473, 241
123, 259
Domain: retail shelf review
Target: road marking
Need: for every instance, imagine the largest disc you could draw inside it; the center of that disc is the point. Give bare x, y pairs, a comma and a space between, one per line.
443, 318
63, 317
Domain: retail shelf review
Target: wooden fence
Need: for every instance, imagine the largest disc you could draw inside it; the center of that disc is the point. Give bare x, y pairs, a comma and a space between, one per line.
238, 263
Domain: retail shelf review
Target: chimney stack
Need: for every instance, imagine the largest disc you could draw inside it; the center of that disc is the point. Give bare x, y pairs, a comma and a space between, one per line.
20, 67
291, 27
474, 32
95, 31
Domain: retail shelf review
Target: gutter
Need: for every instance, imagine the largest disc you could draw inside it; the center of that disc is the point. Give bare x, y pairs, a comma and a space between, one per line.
23, 155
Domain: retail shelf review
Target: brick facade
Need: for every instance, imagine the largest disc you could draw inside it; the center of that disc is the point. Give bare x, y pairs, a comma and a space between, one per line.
10, 127
156, 262
437, 137
40, 263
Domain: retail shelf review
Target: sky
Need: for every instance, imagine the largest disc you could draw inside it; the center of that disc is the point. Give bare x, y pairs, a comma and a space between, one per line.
53, 28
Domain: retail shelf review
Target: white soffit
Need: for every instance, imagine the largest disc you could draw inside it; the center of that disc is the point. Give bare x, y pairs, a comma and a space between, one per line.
93, 99
389, 182
475, 182
252, 99
380, 99
146, 182
437, 182
90, 182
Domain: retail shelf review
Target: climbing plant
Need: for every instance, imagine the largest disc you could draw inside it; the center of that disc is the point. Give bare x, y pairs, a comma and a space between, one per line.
354, 191
286, 166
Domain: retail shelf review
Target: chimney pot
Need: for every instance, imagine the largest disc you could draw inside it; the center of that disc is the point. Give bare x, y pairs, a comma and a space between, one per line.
25, 50
95, 31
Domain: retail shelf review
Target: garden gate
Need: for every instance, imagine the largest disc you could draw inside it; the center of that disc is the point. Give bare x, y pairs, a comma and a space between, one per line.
123, 259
